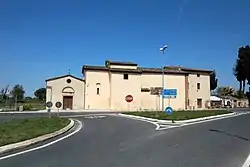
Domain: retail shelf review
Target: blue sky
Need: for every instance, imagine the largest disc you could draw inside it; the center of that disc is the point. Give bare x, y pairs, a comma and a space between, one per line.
43, 39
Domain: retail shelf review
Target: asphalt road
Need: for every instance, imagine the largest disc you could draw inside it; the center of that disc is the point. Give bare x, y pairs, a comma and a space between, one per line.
122, 142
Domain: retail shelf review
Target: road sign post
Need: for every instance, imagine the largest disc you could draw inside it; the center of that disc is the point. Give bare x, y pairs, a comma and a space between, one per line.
129, 99
58, 106
169, 110
170, 94
49, 104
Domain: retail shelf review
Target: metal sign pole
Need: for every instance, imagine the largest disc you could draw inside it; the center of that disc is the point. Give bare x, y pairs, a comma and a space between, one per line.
58, 105
163, 89
49, 112
49, 104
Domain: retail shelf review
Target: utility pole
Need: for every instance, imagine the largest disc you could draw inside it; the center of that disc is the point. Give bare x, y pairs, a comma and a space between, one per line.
163, 82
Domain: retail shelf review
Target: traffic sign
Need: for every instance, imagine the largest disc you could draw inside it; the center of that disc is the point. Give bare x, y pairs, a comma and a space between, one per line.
169, 110
49, 104
169, 93
129, 98
58, 104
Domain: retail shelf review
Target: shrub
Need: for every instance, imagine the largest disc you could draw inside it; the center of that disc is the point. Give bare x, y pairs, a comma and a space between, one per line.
27, 107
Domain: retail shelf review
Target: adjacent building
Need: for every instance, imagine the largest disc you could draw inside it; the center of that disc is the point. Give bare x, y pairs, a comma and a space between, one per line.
106, 87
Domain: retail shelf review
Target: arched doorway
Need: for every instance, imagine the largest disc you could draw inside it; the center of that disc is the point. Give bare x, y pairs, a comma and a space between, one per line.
68, 94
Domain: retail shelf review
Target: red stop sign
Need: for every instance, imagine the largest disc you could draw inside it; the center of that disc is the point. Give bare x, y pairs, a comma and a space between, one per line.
129, 98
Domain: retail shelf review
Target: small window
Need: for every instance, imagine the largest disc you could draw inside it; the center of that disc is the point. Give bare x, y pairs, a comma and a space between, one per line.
68, 80
198, 75
198, 86
188, 85
199, 103
125, 76
98, 91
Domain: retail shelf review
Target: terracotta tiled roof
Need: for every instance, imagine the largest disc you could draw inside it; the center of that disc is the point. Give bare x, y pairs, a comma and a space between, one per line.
159, 70
120, 63
63, 76
167, 69
188, 69
138, 70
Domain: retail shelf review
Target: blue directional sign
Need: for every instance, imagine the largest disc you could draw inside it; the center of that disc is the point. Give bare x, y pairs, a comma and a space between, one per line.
169, 93
169, 110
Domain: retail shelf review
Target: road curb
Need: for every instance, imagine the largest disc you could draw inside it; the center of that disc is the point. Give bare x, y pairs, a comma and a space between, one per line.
169, 122
26, 143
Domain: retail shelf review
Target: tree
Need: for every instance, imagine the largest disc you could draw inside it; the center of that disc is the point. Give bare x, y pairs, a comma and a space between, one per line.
28, 98
238, 94
244, 61
213, 81
40, 94
240, 75
18, 92
4, 92
241, 69
225, 91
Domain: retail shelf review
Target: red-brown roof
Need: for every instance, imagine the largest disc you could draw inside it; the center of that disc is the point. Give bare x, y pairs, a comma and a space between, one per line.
188, 69
108, 62
63, 76
138, 70
167, 69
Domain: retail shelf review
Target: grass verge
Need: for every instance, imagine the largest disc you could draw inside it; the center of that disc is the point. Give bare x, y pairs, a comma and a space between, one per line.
178, 115
23, 129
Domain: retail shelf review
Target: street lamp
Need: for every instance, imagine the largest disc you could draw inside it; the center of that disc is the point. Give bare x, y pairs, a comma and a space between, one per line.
163, 50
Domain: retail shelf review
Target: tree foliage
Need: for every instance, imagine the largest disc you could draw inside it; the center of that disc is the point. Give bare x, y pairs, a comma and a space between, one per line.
225, 91
241, 69
213, 81
40, 94
18, 92
4, 92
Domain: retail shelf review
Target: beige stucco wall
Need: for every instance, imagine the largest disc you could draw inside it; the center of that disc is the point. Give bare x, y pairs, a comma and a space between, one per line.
194, 93
118, 88
154, 102
121, 88
92, 80
113, 89
55, 87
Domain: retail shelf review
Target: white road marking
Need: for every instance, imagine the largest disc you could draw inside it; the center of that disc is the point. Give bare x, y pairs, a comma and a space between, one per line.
168, 127
45, 145
95, 117
84, 115
156, 124
214, 119
247, 162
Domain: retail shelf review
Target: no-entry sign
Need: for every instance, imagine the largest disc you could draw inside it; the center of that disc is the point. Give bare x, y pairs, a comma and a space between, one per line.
129, 98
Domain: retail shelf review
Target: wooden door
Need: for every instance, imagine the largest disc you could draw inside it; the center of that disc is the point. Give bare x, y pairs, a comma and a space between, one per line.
67, 102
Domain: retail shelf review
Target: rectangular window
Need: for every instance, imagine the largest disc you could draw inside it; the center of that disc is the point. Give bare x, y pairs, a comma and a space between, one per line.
199, 103
198, 86
98, 91
198, 75
125, 76
188, 85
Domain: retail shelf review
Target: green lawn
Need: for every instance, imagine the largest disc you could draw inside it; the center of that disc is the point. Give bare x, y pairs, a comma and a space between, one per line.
178, 115
24, 129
